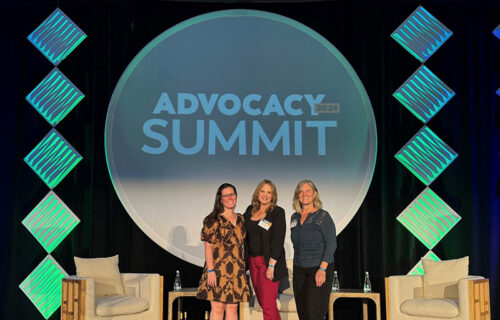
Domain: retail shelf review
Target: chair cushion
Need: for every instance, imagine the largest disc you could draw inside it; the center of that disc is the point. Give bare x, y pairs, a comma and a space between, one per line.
431, 308
285, 303
119, 305
105, 272
441, 277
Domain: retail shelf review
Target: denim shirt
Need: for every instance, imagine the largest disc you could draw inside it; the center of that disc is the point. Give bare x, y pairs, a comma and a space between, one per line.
313, 241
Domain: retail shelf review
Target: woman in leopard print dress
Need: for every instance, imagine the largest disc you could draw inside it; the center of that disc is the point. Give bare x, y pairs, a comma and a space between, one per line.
223, 281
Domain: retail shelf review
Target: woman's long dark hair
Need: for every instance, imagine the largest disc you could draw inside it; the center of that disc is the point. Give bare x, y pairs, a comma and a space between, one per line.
218, 207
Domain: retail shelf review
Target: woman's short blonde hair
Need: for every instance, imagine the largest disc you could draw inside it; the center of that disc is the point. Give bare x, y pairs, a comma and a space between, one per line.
316, 202
255, 196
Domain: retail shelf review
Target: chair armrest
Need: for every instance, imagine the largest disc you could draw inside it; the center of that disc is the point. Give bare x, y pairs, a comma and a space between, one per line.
474, 298
142, 285
77, 298
147, 286
399, 289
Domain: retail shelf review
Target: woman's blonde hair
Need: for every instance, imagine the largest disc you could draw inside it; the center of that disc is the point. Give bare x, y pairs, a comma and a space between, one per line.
316, 201
255, 196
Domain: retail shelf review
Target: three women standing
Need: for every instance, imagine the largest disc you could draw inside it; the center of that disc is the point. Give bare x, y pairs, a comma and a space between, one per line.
266, 227
262, 230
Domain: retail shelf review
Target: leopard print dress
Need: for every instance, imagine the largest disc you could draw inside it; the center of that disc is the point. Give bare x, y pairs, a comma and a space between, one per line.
229, 265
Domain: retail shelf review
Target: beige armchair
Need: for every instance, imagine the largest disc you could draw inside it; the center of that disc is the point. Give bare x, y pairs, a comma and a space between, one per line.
405, 300
100, 291
286, 303
143, 299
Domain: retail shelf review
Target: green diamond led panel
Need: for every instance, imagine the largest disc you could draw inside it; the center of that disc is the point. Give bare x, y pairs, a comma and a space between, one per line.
53, 158
428, 218
426, 155
50, 221
424, 94
421, 34
43, 286
418, 269
55, 97
57, 37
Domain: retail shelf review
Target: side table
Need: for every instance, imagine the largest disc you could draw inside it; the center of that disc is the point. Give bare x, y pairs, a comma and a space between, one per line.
355, 293
173, 295
185, 292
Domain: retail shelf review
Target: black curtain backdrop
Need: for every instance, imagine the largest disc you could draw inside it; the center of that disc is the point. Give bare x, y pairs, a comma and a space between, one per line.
374, 241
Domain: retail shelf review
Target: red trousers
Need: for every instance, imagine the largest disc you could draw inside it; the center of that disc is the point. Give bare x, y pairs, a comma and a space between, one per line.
265, 289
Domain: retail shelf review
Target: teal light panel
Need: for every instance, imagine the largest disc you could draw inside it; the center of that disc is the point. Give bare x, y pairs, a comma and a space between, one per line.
55, 97
53, 158
418, 269
421, 34
57, 37
50, 221
423, 94
428, 218
43, 286
426, 155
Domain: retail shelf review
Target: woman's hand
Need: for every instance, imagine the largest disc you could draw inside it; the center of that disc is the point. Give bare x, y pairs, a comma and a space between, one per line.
211, 279
270, 273
320, 277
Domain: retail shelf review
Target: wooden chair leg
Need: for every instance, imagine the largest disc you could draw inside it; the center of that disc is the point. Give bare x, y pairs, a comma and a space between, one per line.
161, 297
387, 298
479, 299
73, 299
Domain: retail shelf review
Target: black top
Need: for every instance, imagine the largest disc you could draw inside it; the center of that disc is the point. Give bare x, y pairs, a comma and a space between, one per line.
272, 240
254, 234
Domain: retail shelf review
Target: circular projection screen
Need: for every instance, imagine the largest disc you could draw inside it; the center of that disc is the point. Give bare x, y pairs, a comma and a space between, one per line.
236, 96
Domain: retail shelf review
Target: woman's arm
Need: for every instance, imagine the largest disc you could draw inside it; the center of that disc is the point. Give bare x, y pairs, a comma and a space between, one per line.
209, 260
270, 269
277, 239
330, 239
246, 216
278, 231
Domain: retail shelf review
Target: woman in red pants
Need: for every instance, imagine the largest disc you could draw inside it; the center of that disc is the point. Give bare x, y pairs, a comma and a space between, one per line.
266, 228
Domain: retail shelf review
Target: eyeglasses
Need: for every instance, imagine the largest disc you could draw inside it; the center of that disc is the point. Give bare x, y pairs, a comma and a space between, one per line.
229, 195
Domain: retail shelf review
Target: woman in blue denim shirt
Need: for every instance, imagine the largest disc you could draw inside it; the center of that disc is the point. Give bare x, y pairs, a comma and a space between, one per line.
314, 242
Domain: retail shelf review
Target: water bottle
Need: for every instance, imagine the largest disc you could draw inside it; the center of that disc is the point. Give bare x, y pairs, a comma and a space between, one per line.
177, 281
335, 285
206, 315
367, 287
185, 315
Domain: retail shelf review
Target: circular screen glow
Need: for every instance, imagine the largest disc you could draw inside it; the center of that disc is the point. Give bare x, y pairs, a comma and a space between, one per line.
236, 96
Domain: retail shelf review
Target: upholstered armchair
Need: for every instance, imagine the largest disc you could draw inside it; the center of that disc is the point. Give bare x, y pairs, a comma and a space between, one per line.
108, 295
286, 303
443, 292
